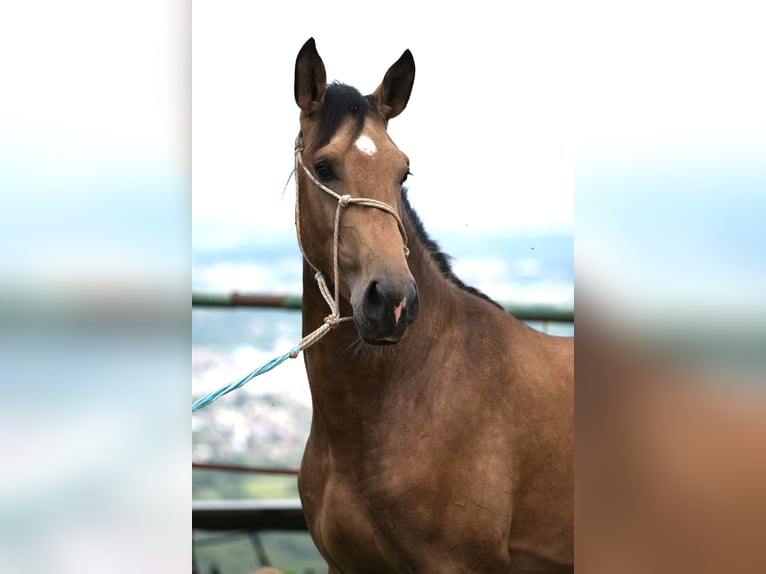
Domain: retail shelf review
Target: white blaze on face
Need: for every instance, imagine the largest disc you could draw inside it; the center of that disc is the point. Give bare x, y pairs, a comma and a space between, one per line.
365, 144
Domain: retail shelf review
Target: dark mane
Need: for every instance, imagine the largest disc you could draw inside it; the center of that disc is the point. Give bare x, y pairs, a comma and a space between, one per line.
443, 261
340, 101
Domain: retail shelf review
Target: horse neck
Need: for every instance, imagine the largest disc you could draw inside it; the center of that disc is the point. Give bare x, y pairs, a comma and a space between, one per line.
340, 363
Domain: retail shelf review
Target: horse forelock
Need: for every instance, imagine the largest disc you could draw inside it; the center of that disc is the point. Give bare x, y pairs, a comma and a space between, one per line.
341, 101
442, 260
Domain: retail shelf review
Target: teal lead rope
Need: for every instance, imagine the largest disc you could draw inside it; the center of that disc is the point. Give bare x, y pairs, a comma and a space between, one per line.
210, 398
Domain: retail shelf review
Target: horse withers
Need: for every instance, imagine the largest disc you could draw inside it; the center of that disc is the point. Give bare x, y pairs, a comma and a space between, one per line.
442, 432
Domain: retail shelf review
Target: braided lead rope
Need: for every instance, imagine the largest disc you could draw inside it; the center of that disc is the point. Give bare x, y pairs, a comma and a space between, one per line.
333, 299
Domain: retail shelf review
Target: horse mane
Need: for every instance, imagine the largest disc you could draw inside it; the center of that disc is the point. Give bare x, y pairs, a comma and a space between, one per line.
442, 260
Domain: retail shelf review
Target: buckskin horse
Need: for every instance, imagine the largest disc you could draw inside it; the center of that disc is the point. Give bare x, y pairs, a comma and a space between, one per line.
442, 431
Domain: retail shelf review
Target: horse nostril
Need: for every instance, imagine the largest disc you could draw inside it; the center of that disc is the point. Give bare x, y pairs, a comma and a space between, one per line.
374, 303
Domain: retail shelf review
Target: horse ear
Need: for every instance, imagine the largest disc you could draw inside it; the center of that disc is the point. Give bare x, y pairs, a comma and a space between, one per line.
394, 92
310, 78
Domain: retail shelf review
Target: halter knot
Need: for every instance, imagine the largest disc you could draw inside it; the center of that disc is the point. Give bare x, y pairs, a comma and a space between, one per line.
332, 320
344, 200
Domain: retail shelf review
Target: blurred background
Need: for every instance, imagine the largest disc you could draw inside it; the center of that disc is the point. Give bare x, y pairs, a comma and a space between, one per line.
95, 208
647, 120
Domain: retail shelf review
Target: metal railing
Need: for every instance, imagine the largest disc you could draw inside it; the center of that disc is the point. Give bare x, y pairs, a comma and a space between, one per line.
525, 312
248, 515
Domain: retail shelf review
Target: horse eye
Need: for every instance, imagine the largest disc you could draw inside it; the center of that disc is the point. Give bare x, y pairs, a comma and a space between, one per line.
324, 171
406, 175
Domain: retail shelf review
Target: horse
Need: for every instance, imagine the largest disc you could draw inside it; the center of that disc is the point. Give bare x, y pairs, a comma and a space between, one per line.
441, 439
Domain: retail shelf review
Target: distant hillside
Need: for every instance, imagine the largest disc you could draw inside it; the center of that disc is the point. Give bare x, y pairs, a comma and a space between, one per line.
257, 262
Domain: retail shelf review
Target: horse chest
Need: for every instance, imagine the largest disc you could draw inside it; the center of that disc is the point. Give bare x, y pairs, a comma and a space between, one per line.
344, 530
370, 530
401, 514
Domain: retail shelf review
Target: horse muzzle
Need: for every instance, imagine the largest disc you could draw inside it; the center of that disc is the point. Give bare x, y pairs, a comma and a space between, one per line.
385, 310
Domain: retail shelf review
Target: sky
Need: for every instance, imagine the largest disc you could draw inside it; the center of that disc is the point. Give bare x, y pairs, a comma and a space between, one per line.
487, 128
128, 123
639, 115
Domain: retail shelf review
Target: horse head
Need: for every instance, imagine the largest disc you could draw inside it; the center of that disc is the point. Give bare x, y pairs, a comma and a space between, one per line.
350, 176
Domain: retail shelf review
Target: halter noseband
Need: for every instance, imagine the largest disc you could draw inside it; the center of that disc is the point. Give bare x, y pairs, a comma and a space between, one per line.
333, 300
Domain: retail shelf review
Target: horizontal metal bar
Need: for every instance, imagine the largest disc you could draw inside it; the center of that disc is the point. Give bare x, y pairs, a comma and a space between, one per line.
248, 515
525, 312
240, 468
236, 299
540, 312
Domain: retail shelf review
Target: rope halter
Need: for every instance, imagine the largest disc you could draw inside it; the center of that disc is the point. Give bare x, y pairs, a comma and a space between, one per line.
332, 299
